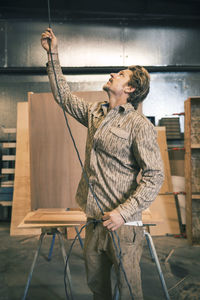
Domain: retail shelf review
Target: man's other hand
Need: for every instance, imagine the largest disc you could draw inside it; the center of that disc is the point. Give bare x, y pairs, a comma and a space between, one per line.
112, 220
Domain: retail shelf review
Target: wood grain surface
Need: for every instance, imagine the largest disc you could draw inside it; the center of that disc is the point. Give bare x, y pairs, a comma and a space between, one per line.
21, 196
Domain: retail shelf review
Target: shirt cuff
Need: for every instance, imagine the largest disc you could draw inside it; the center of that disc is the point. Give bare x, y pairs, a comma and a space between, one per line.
126, 214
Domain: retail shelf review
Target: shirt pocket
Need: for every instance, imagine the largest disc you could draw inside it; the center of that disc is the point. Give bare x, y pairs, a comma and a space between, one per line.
116, 143
119, 133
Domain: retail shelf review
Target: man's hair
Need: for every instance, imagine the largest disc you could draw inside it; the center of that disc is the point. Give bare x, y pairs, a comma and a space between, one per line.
140, 80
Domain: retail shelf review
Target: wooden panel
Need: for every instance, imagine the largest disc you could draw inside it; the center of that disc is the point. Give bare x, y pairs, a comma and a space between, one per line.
53, 218
21, 196
56, 216
162, 142
55, 170
164, 205
187, 136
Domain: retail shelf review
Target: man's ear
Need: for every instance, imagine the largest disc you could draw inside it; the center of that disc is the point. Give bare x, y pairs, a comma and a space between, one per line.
129, 89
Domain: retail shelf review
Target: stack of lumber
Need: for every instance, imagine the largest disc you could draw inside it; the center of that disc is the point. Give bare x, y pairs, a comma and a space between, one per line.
8, 170
172, 126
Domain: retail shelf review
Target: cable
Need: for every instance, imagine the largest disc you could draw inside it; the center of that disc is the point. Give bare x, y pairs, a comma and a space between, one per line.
49, 13
67, 123
70, 250
118, 252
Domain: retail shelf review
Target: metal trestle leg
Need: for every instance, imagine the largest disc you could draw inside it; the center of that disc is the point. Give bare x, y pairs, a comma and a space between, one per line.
49, 231
155, 257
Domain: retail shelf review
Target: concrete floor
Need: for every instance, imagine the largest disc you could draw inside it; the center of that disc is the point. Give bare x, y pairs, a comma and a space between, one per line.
181, 269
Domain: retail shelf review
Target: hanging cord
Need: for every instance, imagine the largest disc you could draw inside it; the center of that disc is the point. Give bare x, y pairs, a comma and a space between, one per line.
67, 123
117, 248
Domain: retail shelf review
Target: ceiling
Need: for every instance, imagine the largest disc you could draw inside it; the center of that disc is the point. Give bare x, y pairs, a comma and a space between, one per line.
100, 9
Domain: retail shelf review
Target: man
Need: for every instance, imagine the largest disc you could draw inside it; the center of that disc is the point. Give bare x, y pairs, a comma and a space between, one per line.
120, 143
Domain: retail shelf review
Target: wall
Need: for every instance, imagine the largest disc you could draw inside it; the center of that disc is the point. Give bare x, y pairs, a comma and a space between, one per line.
155, 44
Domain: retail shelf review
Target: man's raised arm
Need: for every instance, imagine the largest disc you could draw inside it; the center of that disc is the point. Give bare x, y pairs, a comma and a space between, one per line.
75, 106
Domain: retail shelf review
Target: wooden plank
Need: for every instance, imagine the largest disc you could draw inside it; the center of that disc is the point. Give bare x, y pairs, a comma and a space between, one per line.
195, 146
21, 196
7, 183
8, 157
8, 171
56, 216
187, 142
9, 130
162, 142
195, 196
6, 203
52, 218
9, 145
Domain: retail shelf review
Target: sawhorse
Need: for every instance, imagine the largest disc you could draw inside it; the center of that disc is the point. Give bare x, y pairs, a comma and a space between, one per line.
54, 232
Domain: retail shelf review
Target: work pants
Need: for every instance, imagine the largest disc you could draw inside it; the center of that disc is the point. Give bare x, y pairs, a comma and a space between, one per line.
100, 255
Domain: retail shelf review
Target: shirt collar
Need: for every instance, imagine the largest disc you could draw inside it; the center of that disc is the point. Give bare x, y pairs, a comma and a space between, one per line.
126, 107
104, 107
122, 108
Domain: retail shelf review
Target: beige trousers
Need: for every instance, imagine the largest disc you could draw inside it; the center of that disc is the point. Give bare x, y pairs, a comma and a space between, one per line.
100, 255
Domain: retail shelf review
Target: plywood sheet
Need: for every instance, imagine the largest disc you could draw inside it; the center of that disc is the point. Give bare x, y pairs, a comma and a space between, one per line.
164, 205
21, 196
53, 218
55, 170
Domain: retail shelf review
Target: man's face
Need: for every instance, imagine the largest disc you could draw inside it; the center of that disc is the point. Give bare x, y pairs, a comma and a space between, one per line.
118, 82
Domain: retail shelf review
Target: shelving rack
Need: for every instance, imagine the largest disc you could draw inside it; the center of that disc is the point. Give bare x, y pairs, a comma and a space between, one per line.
192, 168
8, 168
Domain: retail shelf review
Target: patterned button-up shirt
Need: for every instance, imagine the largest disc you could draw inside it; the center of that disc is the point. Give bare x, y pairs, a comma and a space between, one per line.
120, 143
